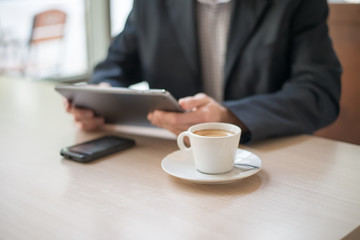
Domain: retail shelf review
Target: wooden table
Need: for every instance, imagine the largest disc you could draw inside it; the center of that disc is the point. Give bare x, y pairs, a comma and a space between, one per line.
309, 187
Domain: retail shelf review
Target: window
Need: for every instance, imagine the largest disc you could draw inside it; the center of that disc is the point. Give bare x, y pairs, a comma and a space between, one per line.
119, 12
61, 57
85, 39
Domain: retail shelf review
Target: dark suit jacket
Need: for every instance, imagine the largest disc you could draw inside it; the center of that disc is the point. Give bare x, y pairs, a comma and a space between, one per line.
282, 76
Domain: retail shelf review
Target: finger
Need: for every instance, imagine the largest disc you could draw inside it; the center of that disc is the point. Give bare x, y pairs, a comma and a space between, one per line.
91, 124
67, 105
163, 119
191, 103
203, 113
174, 122
104, 85
82, 114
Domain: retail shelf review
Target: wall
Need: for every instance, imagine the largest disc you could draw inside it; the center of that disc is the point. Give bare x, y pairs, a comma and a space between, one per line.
344, 25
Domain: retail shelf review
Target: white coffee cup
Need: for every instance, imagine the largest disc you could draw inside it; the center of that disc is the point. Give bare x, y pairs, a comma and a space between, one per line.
213, 146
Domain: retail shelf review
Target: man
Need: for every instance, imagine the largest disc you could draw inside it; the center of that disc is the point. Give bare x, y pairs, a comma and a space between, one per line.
265, 65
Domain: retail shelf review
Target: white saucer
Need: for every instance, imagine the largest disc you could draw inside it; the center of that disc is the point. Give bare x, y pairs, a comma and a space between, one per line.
181, 165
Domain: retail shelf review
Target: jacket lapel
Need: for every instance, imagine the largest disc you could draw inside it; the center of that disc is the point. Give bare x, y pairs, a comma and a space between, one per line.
182, 17
245, 17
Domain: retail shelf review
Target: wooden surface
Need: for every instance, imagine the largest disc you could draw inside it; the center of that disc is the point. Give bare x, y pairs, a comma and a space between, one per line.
344, 27
309, 187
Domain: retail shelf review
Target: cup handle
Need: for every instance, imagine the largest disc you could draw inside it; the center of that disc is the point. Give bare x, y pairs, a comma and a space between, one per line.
180, 141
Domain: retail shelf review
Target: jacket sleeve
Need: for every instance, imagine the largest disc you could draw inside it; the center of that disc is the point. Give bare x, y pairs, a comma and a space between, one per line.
309, 99
122, 65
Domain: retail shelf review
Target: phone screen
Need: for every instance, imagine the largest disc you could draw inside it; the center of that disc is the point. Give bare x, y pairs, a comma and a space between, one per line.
94, 149
96, 146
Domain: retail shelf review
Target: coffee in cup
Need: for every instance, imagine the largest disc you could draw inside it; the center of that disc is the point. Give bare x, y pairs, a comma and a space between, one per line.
214, 133
213, 146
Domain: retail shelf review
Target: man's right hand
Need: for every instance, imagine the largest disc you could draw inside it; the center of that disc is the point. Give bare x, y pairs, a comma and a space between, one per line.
85, 119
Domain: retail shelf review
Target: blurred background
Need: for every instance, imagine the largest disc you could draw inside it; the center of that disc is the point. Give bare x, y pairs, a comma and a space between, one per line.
57, 39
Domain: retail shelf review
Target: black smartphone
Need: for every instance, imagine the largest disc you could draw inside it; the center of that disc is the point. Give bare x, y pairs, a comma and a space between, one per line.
96, 148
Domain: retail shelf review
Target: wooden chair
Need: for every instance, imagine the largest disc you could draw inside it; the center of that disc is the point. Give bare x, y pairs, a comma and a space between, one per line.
47, 26
344, 25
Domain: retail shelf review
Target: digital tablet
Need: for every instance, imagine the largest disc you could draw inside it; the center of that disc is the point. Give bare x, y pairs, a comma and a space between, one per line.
120, 105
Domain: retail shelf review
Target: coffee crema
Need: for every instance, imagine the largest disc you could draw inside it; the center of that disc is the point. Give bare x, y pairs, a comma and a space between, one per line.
214, 133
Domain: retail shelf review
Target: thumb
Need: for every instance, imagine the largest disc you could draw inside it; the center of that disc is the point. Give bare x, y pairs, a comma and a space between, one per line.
193, 102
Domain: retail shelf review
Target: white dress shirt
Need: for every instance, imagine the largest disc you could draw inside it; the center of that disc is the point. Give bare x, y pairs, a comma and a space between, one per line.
213, 18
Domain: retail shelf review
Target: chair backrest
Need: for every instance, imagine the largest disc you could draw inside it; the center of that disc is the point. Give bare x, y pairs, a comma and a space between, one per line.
48, 25
344, 26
